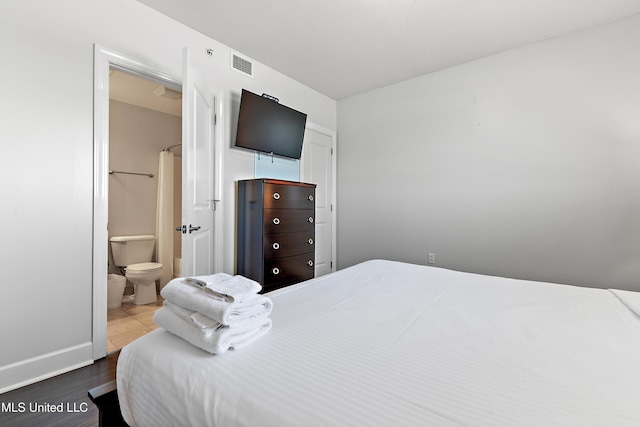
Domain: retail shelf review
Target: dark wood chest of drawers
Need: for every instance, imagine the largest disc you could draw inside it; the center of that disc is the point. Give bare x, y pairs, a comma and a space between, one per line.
275, 232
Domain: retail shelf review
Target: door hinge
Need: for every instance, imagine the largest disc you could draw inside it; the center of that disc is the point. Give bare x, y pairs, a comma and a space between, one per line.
215, 119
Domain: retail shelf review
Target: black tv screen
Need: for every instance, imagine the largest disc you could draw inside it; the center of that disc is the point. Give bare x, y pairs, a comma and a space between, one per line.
267, 126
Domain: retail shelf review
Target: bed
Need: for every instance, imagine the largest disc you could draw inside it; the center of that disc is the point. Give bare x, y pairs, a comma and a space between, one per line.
385, 343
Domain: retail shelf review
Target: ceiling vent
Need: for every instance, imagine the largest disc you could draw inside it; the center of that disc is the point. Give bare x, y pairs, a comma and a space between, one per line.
241, 65
168, 93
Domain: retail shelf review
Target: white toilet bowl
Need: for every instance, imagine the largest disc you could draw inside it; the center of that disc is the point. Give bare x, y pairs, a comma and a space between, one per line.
144, 276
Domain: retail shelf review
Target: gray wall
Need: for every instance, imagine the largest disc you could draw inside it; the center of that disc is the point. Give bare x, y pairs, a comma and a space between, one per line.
525, 164
48, 159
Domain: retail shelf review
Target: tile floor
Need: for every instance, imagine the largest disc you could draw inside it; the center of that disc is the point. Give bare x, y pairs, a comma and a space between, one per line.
129, 321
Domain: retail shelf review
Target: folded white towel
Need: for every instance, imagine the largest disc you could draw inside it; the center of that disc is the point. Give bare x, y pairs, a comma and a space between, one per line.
227, 313
214, 340
198, 320
223, 286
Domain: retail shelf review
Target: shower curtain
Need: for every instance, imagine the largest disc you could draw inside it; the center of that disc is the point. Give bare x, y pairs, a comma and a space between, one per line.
164, 217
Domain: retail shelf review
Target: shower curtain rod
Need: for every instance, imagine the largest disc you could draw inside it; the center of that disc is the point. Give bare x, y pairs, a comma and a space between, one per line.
172, 146
150, 175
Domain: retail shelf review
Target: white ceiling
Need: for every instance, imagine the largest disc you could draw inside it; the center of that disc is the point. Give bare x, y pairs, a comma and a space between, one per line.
345, 47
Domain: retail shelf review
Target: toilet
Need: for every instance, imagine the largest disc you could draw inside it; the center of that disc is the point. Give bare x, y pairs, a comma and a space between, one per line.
134, 254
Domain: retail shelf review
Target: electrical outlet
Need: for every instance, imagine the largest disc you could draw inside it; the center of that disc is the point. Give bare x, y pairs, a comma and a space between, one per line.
432, 258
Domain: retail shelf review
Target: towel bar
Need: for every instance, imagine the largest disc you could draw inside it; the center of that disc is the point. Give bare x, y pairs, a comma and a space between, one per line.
150, 175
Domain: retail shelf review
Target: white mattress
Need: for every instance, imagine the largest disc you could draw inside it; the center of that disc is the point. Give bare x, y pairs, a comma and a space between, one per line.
391, 344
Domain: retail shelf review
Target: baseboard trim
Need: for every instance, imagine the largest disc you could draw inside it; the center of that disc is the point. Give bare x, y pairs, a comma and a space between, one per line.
34, 369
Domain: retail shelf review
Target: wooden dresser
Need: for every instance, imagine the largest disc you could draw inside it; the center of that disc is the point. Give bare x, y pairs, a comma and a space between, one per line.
275, 232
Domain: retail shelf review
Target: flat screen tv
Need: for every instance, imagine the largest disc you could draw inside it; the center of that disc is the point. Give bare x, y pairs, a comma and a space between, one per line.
267, 126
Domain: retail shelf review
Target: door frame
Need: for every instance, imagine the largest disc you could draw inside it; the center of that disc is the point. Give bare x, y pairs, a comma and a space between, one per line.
104, 59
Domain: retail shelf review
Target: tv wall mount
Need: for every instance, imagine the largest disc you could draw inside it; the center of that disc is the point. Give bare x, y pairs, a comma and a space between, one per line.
273, 98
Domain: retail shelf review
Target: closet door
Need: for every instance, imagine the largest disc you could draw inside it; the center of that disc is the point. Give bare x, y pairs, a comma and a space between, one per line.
317, 167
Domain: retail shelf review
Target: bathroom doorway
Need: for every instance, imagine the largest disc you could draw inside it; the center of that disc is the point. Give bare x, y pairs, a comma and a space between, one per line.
202, 141
145, 190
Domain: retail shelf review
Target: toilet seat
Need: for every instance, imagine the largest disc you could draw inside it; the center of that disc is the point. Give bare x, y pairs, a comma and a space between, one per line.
144, 267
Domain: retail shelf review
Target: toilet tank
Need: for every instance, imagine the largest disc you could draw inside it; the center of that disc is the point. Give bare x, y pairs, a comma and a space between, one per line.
127, 250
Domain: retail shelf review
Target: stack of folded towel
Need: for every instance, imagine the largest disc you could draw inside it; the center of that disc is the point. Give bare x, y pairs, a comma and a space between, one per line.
215, 313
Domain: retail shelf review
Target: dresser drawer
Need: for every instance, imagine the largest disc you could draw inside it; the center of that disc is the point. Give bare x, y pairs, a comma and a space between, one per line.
288, 270
278, 196
288, 220
288, 244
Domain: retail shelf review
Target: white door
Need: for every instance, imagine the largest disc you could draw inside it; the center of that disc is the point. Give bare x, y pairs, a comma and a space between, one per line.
198, 143
317, 168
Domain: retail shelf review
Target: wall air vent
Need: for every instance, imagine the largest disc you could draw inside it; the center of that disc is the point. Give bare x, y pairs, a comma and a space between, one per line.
241, 65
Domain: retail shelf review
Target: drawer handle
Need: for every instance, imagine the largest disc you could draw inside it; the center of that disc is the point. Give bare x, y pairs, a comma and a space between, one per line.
275, 270
276, 196
310, 219
310, 241
310, 263
310, 197
276, 220
276, 246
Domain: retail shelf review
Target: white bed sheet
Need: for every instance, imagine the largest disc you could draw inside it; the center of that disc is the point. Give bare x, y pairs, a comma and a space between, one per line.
385, 343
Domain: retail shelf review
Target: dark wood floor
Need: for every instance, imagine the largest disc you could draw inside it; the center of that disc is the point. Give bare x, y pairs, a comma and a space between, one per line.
19, 407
